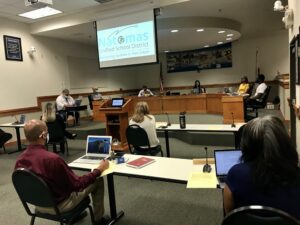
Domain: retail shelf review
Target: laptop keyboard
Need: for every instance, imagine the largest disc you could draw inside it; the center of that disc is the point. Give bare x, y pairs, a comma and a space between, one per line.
92, 157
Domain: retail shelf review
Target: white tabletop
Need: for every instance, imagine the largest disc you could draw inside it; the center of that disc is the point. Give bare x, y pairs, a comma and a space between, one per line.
204, 127
11, 125
162, 168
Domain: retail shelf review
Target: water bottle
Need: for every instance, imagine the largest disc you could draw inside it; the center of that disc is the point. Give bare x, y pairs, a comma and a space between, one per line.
182, 120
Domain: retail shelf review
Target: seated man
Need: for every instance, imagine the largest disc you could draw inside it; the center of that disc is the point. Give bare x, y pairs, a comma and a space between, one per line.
68, 188
256, 98
145, 92
96, 95
63, 101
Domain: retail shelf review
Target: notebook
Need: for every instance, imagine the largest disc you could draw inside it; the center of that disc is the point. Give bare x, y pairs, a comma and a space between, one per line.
117, 102
224, 160
21, 120
140, 162
78, 102
97, 148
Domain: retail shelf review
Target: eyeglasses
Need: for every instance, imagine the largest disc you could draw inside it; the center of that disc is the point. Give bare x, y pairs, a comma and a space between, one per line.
43, 134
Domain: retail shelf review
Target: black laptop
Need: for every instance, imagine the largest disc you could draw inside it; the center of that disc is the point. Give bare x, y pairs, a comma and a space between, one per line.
224, 160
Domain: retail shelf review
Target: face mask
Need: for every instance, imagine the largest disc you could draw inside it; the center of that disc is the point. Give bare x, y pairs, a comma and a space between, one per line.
47, 138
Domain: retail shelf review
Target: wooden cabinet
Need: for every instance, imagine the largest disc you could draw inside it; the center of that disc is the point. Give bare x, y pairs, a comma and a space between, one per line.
233, 109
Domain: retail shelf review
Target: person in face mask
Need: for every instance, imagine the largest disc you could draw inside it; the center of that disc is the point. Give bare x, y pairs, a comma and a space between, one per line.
63, 101
68, 188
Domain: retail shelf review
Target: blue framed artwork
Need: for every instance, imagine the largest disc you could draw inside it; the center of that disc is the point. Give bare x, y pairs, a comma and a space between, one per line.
13, 48
200, 59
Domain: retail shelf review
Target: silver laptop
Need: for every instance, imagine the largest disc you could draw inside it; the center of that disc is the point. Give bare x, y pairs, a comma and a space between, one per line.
224, 160
97, 148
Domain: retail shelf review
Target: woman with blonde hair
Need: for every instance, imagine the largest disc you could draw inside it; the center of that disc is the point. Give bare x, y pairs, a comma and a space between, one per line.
146, 121
50, 116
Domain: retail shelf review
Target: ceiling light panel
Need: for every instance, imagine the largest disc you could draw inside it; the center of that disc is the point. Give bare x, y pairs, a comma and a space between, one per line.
40, 13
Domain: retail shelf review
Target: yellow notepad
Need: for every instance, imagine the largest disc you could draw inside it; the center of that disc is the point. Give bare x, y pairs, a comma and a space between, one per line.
109, 170
202, 180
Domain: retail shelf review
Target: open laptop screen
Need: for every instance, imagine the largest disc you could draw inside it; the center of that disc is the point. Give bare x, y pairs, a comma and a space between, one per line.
98, 144
117, 102
225, 159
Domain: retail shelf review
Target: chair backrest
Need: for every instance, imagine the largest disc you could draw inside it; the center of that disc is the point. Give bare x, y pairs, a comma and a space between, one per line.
32, 189
238, 137
265, 96
136, 136
259, 215
56, 131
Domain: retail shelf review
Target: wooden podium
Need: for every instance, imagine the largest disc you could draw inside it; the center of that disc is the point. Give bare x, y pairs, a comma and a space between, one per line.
233, 109
117, 122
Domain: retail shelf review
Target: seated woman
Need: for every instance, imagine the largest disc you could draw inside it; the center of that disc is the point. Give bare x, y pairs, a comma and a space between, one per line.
244, 86
146, 121
197, 89
50, 115
269, 174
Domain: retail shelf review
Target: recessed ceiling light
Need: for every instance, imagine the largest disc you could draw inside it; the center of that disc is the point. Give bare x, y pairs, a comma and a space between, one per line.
229, 35
39, 13
200, 30
221, 31
220, 42
174, 31
206, 46
228, 39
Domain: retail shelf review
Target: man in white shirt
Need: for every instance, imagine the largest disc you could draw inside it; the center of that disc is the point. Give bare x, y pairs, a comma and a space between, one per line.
145, 92
260, 90
63, 101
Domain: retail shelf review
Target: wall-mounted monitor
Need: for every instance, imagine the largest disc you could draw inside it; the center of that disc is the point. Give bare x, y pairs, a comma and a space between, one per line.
127, 40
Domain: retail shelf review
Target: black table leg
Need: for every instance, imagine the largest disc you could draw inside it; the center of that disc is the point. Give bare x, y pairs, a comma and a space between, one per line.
236, 145
114, 216
167, 143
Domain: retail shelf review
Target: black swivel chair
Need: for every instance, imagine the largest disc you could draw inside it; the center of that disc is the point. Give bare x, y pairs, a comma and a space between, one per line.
262, 104
35, 191
4, 137
90, 98
259, 215
137, 137
238, 137
57, 136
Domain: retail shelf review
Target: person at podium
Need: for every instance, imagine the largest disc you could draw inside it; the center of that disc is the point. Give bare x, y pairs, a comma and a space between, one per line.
146, 121
96, 94
63, 101
145, 92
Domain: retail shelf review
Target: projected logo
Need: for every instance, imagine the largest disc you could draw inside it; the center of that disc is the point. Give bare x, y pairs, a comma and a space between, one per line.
133, 40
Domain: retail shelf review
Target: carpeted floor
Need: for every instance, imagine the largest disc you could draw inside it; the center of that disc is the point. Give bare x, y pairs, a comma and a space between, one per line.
144, 202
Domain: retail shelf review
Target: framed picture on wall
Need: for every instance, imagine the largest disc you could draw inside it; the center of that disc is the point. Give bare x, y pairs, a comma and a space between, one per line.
13, 48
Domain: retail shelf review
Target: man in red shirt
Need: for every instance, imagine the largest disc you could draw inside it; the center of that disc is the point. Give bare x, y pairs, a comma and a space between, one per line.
68, 188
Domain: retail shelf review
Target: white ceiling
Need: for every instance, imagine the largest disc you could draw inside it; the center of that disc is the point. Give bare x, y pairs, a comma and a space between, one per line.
251, 17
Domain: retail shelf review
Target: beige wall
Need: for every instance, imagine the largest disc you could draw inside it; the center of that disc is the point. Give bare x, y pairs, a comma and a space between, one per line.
295, 5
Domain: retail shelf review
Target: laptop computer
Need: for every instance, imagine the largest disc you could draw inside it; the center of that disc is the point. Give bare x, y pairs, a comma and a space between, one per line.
21, 120
97, 148
117, 102
78, 102
224, 160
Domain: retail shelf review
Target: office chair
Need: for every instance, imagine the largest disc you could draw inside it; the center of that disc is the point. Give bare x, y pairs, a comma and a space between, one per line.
260, 105
238, 137
259, 215
4, 137
35, 191
57, 136
90, 98
137, 137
